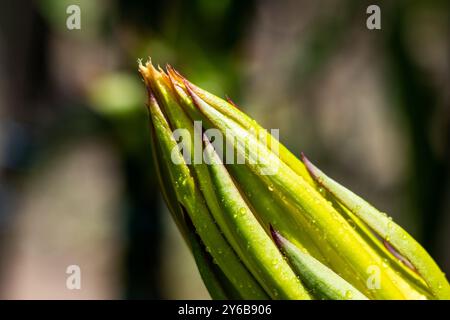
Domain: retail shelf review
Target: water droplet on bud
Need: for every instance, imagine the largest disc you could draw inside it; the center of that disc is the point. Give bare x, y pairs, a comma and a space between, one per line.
348, 295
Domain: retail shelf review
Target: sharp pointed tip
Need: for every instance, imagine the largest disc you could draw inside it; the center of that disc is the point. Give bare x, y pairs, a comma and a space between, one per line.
142, 68
147, 65
313, 171
148, 71
272, 231
152, 98
177, 73
172, 76
397, 255
195, 98
176, 76
160, 71
277, 238
231, 102
306, 161
190, 90
169, 68
187, 84
152, 102
303, 156
171, 79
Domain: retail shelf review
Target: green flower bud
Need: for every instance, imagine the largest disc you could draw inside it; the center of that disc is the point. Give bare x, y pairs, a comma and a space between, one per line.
262, 223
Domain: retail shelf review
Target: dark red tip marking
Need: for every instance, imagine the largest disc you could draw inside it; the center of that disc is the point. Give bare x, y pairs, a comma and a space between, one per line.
231, 102
309, 166
276, 236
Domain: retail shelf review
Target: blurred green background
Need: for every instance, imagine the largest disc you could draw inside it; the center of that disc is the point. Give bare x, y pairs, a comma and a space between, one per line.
77, 184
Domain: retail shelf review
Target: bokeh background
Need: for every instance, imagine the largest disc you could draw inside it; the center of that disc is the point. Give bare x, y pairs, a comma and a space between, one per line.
77, 184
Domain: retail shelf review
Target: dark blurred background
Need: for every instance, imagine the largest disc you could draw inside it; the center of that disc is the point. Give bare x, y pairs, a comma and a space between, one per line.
77, 184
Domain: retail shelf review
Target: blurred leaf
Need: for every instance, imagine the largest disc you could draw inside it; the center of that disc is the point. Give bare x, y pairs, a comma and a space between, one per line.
116, 94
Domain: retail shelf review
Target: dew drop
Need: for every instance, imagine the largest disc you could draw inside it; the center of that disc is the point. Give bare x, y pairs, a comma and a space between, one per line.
348, 295
270, 188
